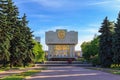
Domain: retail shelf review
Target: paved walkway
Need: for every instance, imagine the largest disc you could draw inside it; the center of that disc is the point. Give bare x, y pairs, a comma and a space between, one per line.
72, 73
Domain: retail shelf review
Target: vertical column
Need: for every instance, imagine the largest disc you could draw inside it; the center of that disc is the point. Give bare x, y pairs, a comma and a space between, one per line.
72, 51
49, 52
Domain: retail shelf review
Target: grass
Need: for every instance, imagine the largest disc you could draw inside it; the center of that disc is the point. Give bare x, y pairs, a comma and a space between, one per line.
81, 59
13, 68
116, 73
108, 70
1, 71
4, 69
13, 77
22, 75
28, 73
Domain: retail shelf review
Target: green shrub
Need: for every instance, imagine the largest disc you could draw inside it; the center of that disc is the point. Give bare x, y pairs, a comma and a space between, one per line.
95, 60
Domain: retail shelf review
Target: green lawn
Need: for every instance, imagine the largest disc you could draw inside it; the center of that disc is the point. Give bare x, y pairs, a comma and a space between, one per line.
22, 75
109, 70
4, 69
13, 77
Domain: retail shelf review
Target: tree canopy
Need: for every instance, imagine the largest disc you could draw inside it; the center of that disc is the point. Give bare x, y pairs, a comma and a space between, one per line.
90, 49
16, 41
116, 41
38, 51
105, 50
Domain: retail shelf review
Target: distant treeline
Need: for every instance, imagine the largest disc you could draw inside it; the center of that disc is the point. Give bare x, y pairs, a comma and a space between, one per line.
104, 49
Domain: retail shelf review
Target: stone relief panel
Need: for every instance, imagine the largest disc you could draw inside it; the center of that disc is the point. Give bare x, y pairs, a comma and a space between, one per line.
61, 37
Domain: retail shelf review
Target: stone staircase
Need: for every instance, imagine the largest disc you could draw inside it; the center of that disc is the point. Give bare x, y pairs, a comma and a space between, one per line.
64, 63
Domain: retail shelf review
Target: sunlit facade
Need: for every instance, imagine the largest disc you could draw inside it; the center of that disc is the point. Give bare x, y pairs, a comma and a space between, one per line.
61, 44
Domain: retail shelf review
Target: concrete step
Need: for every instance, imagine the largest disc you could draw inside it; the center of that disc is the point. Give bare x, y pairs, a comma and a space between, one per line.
62, 62
80, 65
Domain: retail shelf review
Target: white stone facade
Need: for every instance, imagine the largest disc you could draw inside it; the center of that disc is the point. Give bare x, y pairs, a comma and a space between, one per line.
61, 44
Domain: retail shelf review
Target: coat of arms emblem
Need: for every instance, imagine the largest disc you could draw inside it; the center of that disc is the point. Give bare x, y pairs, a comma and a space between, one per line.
61, 34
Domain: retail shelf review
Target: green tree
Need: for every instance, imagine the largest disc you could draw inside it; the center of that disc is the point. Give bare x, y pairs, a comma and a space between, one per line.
116, 41
28, 42
94, 47
4, 33
105, 44
38, 51
86, 50
90, 49
13, 21
16, 38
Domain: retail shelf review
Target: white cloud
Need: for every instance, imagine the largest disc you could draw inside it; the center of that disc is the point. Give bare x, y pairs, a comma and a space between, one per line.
100, 3
83, 39
39, 32
42, 31
40, 16
94, 25
107, 4
59, 27
50, 3
20, 2
58, 5
72, 4
91, 30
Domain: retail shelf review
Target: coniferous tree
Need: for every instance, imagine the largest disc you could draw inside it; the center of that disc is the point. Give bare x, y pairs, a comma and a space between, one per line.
28, 41
105, 44
116, 41
4, 33
16, 38
12, 18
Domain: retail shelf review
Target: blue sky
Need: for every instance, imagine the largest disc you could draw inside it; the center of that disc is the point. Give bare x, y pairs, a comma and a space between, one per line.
84, 16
